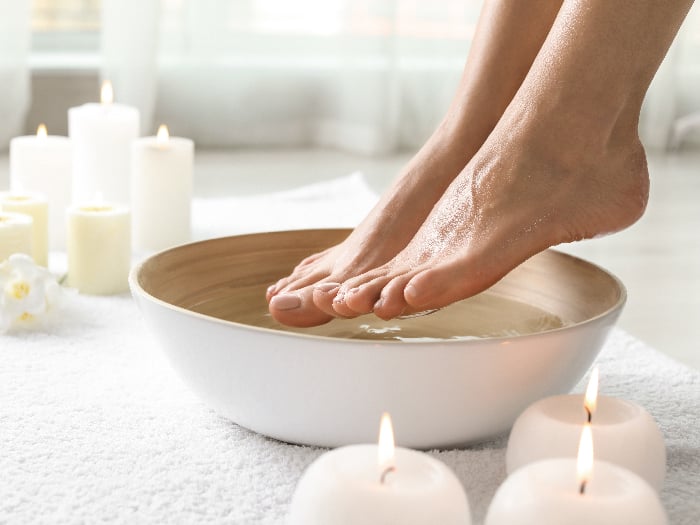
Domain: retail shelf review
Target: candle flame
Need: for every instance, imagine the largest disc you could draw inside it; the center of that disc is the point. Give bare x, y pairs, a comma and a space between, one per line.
41, 131
163, 135
591, 398
385, 454
106, 93
584, 462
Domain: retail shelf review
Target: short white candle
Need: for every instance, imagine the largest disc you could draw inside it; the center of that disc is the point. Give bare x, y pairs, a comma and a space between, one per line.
15, 234
366, 485
548, 492
43, 163
102, 135
625, 434
161, 187
37, 206
99, 248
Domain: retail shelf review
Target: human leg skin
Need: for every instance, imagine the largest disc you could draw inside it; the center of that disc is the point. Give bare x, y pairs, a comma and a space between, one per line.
508, 37
564, 162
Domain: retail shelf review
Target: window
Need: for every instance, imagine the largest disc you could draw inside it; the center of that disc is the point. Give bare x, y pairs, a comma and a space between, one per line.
65, 25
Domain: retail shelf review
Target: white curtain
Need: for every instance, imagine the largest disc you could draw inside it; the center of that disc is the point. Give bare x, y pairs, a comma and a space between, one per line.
368, 76
15, 37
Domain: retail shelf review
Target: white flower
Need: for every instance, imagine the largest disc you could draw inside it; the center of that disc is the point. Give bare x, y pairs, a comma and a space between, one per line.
26, 291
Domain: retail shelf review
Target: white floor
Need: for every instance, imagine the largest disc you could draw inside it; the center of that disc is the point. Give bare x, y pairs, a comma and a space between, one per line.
658, 258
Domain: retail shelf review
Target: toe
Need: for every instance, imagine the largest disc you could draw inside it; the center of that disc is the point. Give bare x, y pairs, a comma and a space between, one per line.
297, 309
446, 283
391, 303
363, 298
323, 295
299, 279
340, 307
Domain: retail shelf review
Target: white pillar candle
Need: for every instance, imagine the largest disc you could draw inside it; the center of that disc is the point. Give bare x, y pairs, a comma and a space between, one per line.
37, 206
377, 485
102, 135
624, 432
161, 189
42, 163
99, 248
15, 234
583, 492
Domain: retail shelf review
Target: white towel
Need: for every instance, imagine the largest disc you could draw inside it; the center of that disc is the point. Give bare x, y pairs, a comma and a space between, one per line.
338, 203
95, 427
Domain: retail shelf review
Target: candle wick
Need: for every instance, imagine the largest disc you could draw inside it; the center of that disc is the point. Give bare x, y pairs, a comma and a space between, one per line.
385, 472
589, 414
582, 488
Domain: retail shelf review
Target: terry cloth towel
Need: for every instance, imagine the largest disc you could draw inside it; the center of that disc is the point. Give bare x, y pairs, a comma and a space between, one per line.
96, 427
340, 203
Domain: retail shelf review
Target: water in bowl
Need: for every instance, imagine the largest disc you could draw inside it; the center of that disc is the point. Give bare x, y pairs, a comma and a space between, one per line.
483, 316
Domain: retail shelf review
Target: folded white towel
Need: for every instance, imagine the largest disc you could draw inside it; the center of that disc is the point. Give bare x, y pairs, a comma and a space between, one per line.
337, 203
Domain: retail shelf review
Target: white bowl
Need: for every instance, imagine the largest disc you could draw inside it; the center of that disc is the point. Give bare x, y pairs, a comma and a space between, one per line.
320, 387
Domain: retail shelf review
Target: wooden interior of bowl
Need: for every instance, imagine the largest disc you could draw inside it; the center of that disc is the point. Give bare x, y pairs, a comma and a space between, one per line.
226, 277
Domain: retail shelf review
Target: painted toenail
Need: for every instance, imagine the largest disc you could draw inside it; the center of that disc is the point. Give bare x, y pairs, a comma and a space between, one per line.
271, 288
285, 301
326, 287
410, 292
378, 304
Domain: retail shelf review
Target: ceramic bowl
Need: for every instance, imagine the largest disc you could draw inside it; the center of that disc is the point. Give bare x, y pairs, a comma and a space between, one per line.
539, 330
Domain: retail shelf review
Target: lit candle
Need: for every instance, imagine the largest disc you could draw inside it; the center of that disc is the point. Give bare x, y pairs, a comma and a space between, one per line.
99, 248
378, 484
36, 206
102, 135
15, 234
42, 163
625, 433
576, 492
161, 187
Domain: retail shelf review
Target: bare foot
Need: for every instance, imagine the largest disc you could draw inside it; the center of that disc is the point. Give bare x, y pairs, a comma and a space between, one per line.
508, 37
520, 194
564, 163
305, 297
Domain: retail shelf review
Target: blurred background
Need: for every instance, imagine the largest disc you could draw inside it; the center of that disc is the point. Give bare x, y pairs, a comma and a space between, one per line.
364, 76
279, 93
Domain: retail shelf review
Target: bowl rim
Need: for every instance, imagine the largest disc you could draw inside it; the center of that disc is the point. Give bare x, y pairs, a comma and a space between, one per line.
136, 288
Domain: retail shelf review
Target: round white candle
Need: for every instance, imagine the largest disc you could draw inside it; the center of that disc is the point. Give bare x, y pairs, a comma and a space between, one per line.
625, 434
161, 189
102, 135
547, 493
15, 234
99, 248
354, 485
43, 163
36, 206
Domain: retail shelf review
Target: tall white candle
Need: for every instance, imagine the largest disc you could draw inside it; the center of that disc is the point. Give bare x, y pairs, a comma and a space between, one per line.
15, 234
35, 205
43, 163
583, 492
161, 188
624, 432
102, 135
99, 248
368, 485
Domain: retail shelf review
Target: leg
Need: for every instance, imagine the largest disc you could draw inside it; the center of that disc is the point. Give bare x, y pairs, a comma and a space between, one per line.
507, 40
564, 162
